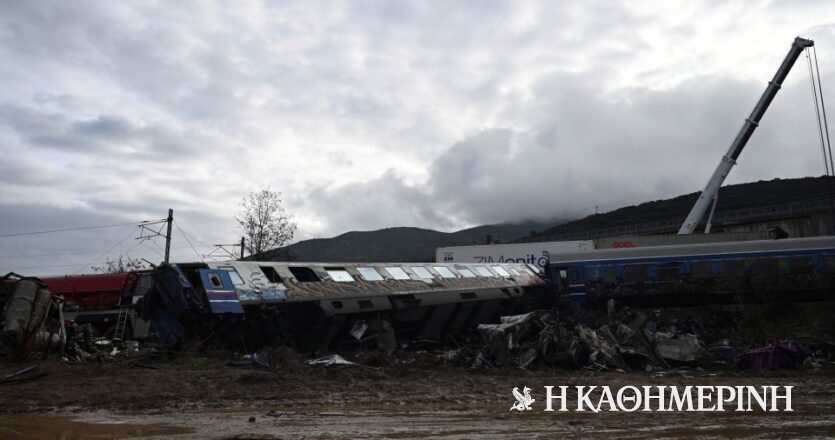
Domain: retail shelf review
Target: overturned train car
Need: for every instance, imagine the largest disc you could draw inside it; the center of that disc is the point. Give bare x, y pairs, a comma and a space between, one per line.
791, 270
316, 306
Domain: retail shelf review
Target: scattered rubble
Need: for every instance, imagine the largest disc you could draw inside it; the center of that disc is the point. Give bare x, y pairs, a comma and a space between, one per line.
625, 339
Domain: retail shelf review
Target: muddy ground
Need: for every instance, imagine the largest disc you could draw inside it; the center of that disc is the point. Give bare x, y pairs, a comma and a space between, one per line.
415, 394
193, 397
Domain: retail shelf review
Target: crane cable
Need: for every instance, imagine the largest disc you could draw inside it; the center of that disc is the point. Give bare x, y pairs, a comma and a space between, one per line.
823, 111
823, 127
818, 115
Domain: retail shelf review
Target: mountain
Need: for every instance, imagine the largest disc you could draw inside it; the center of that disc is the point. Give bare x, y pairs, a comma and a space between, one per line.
400, 243
415, 244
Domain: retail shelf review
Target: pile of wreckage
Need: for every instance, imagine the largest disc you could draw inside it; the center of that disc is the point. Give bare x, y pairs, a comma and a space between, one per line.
33, 326
623, 340
30, 318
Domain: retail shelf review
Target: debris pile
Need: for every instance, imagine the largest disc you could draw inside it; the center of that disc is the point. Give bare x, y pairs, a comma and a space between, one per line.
30, 318
627, 339
546, 338
82, 345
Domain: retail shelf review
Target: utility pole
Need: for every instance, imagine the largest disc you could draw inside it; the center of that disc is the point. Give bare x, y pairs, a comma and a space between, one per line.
170, 221
242, 247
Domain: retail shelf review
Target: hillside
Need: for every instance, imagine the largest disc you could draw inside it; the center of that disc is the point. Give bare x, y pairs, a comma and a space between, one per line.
740, 196
400, 243
415, 244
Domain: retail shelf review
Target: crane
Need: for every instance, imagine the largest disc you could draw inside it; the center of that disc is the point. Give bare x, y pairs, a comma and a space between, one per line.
711, 191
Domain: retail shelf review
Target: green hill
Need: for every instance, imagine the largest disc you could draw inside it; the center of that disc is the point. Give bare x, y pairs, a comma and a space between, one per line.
400, 244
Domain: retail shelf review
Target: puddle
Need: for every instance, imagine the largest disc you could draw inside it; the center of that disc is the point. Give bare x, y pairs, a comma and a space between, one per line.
39, 426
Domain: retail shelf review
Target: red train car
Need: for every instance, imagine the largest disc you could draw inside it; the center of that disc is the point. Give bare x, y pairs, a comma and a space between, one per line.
89, 292
96, 299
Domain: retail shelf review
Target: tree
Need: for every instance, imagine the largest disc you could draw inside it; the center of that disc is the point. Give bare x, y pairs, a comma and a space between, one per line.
264, 222
120, 265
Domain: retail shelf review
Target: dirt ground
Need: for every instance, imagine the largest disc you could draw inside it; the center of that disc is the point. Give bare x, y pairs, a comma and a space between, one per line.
193, 397
413, 394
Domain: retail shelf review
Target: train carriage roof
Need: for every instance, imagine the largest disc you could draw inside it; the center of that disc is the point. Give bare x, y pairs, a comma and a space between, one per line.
695, 250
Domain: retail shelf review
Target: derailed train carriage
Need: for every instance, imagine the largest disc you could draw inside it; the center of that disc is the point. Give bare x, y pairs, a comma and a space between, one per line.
800, 269
317, 306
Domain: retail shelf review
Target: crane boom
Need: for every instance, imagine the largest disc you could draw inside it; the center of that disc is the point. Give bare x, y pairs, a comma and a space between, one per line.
711, 191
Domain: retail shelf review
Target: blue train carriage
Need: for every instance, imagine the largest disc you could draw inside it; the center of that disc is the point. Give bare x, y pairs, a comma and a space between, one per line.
762, 271
318, 306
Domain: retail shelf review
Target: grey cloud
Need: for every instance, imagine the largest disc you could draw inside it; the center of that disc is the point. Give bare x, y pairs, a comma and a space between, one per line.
379, 203
189, 105
102, 134
584, 149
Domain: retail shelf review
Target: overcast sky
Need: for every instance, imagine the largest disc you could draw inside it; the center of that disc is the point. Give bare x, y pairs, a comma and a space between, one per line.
369, 114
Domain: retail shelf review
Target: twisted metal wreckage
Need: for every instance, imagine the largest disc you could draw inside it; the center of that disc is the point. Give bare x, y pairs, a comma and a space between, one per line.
31, 318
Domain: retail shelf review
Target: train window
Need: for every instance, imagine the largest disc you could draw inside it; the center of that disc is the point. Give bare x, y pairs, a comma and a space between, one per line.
801, 265
611, 274
733, 268
397, 273
466, 273
214, 281
594, 273
339, 274
636, 272
829, 263
233, 275
483, 271
500, 270
271, 274
669, 272
766, 268
144, 281
444, 271
421, 272
701, 270
304, 274
370, 274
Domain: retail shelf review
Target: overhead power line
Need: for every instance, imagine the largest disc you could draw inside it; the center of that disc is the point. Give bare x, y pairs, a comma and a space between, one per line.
80, 228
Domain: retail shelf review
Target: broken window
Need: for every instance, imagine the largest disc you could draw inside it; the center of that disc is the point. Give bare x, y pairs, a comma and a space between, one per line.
421, 272
339, 274
214, 281
444, 271
370, 274
304, 274
271, 274
397, 273
483, 271
500, 270
466, 273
